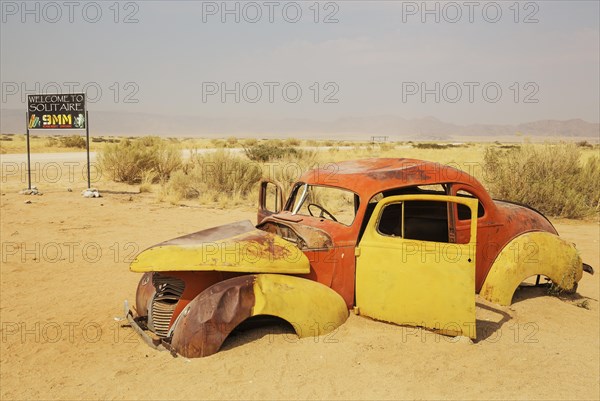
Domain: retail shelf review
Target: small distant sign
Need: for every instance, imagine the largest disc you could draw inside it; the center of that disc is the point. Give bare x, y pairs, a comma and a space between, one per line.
56, 111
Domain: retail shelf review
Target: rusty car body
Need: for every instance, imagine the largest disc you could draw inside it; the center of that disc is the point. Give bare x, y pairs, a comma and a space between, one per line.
400, 240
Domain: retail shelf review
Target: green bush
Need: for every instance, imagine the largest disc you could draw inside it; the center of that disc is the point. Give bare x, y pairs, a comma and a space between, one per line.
550, 178
131, 160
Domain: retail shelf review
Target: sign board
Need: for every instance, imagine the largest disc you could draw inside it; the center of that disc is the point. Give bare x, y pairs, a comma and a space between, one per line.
56, 111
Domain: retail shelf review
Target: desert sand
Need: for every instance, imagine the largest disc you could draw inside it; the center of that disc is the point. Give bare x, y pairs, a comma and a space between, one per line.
64, 277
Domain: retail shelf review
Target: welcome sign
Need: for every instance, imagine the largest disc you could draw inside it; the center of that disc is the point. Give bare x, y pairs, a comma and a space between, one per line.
56, 111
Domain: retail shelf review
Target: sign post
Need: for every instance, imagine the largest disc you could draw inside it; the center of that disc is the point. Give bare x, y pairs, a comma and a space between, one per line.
28, 153
87, 146
57, 111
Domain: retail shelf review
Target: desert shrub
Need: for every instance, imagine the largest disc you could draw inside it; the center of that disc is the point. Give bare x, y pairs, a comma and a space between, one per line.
131, 160
148, 177
292, 142
550, 178
227, 173
384, 147
274, 142
264, 152
51, 142
214, 173
288, 170
250, 142
431, 146
182, 185
232, 141
72, 141
218, 143
229, 179
584, 144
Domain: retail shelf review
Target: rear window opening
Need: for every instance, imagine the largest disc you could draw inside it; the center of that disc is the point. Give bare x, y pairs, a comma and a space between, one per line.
464, 213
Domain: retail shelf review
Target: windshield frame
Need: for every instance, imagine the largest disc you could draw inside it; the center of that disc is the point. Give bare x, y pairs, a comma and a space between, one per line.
301, 189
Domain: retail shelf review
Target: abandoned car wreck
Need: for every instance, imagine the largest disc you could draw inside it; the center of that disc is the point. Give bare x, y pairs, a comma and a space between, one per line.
403, 241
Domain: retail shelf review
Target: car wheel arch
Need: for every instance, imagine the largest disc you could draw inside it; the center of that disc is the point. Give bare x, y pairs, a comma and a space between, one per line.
309, 307
530, 254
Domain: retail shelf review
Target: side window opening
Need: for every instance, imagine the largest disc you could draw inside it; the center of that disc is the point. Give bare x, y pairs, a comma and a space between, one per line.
418, 220
464, 213
435, 189
390, 222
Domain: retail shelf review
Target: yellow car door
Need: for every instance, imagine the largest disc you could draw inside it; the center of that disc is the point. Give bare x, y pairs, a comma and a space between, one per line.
411, 271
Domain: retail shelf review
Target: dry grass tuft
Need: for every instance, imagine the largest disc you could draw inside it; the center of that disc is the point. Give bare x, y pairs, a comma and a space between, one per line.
550, 178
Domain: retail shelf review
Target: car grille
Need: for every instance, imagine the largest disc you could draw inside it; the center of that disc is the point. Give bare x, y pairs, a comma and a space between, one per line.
168, 292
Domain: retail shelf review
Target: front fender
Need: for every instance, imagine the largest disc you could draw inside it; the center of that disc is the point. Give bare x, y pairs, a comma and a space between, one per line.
528, 255
310, 307
144, 293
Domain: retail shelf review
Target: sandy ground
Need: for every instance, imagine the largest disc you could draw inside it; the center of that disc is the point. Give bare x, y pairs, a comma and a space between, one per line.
64, 276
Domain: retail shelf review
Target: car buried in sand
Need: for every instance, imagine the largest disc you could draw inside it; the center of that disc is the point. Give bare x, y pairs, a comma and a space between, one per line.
403, 241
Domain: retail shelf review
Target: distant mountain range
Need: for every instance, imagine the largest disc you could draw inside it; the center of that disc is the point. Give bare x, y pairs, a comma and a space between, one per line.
396, 128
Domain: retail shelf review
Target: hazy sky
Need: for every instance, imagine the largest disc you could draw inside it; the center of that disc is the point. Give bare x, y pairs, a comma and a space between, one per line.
369, 58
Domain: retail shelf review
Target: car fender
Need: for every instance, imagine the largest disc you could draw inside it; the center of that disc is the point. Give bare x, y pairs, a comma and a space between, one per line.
310, 307
530, 254
144, 294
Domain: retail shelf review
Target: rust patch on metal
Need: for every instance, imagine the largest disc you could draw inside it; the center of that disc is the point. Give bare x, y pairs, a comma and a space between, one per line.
267, 248
195, 283
207, 321
304, 236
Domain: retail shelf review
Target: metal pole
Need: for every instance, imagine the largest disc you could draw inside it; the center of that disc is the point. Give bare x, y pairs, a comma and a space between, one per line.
87, 144
28, 152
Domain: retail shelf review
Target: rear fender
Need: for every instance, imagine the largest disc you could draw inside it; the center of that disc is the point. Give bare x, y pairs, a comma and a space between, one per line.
310, 307
530, 254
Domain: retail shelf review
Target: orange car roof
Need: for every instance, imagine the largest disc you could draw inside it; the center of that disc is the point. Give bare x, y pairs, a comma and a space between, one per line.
370, 176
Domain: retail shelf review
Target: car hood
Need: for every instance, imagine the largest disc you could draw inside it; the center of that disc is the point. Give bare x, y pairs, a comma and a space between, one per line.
235, 247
